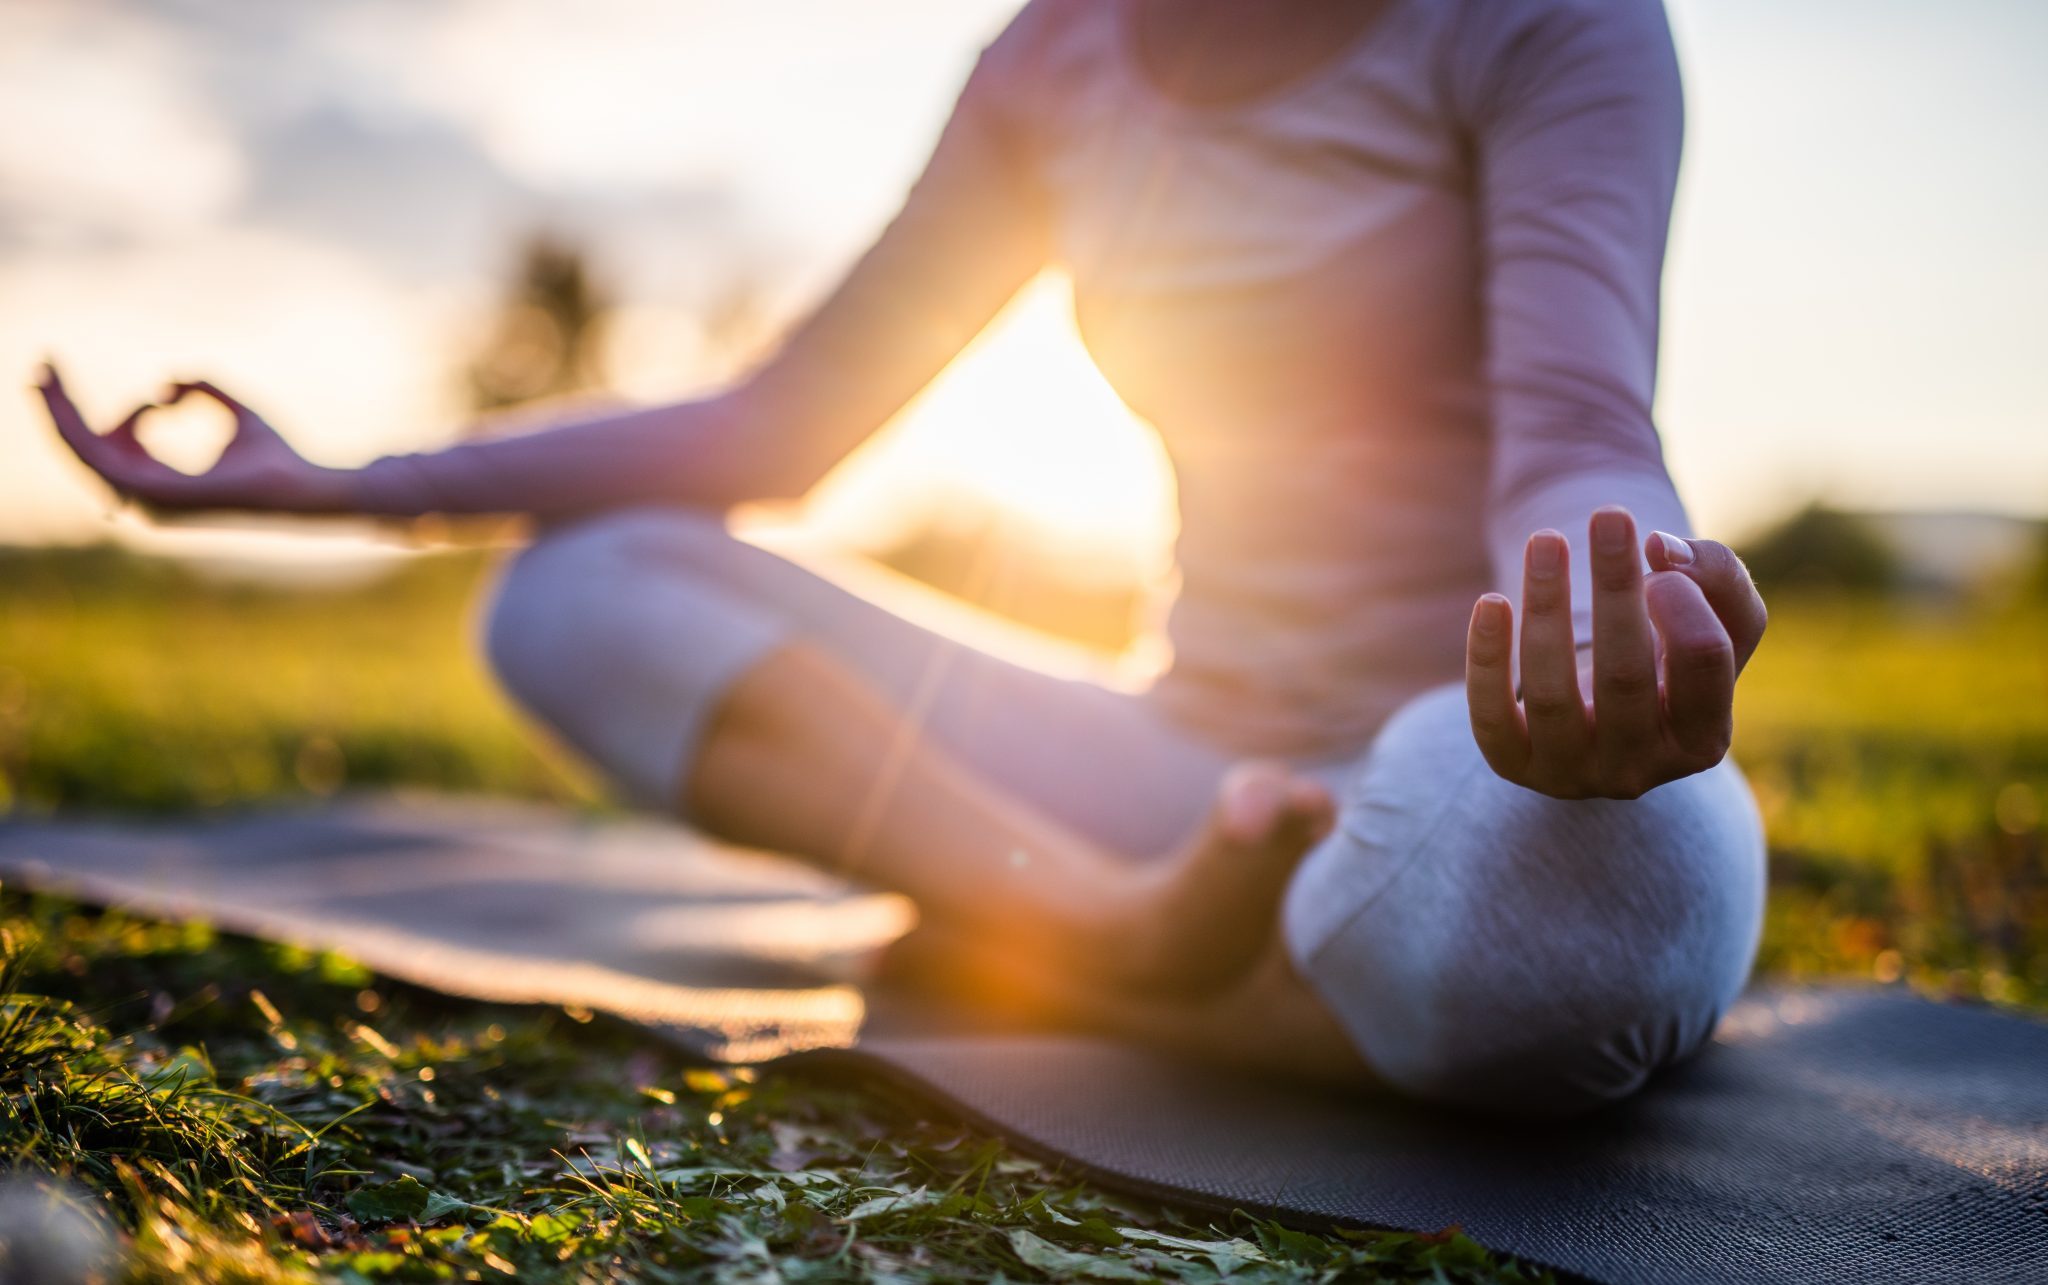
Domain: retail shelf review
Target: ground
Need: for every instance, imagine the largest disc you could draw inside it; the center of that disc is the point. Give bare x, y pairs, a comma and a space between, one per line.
234, 1110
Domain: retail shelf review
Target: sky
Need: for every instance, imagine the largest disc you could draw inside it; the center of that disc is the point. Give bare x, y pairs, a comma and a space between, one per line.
317, 206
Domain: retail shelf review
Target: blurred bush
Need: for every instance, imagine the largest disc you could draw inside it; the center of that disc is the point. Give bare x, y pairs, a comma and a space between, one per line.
548, 339
2034, 580
1823, 548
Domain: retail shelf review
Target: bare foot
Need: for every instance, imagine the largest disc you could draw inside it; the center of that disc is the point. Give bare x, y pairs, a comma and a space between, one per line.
1201, 917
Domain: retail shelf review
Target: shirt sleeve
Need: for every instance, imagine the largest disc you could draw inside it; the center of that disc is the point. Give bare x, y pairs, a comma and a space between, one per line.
1576, 118
969, 234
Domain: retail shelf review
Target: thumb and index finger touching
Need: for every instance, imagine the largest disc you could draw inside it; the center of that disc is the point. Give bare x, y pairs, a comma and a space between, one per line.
1710, 570
205, 388
109, 449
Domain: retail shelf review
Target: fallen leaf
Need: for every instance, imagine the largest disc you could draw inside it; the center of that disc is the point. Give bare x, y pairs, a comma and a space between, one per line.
895, 1203
389, 1201
1056, 1262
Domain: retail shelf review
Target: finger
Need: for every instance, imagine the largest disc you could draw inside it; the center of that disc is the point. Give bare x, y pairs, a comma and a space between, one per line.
71, 426
252, 431
118, 456
1725, 581
1699, 666
204, 389
123, 433
107, 456
1490, 687
1625, 704
1556, 712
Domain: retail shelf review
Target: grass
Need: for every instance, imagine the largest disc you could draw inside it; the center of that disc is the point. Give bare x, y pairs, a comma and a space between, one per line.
1901, 761
235, 1110
246, 1111
126, 684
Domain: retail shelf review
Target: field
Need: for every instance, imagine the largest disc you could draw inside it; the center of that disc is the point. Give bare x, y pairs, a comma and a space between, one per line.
236, 1110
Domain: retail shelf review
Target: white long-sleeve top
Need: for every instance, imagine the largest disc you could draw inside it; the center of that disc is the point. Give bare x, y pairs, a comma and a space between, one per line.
1389, 319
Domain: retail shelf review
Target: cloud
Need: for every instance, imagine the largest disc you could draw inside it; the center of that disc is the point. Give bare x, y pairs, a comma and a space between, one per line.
416, 197
164, 121
107, 142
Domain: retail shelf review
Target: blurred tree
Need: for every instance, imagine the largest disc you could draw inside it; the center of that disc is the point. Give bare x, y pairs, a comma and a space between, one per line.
1823, 548
2035, 578
548, 340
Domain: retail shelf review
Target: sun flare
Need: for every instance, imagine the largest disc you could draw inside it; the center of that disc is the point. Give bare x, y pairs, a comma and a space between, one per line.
1023, 425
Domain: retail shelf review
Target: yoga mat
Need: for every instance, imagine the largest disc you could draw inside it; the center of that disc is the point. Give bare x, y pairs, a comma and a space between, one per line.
1826, 1135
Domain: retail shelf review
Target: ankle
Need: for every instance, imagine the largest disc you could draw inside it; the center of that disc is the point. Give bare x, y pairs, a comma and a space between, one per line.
1137, 921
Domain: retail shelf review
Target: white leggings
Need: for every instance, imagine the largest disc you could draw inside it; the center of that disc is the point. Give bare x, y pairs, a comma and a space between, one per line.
1482, 944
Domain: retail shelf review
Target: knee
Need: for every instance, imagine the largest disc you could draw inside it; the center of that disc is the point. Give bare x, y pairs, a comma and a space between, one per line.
1492, 947
620, 634
555, 603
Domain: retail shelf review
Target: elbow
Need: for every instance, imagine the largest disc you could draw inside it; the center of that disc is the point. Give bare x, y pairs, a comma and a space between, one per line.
780, 481
767, 449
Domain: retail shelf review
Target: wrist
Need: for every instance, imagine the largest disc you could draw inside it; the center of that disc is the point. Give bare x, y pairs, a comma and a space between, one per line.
335, 490
388, 486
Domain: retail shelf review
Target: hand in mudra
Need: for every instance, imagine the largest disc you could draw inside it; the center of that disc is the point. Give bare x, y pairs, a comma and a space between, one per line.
1661, 675
257, 470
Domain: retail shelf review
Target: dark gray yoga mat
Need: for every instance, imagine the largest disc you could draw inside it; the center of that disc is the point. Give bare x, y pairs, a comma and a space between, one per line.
1826, 1135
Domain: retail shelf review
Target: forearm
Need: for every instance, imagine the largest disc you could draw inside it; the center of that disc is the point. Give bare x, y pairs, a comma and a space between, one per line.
716, 453
1578, 116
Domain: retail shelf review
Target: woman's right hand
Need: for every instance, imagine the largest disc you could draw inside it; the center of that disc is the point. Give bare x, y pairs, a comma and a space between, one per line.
258, 470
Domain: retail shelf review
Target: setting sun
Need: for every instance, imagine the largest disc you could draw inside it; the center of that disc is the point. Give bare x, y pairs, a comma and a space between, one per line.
1022, 420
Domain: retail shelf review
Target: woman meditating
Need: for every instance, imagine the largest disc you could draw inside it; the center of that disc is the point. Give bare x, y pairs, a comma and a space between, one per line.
1385, 275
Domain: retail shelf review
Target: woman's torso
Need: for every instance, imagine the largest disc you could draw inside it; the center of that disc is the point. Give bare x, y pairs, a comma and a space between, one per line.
1288, 288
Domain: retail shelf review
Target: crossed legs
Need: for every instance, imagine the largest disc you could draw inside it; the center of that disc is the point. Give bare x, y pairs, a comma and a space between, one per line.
1471, 940
803, 756
1051, 823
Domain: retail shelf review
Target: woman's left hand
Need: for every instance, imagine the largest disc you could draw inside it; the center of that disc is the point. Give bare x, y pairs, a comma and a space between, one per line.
1666, 649
258, 470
